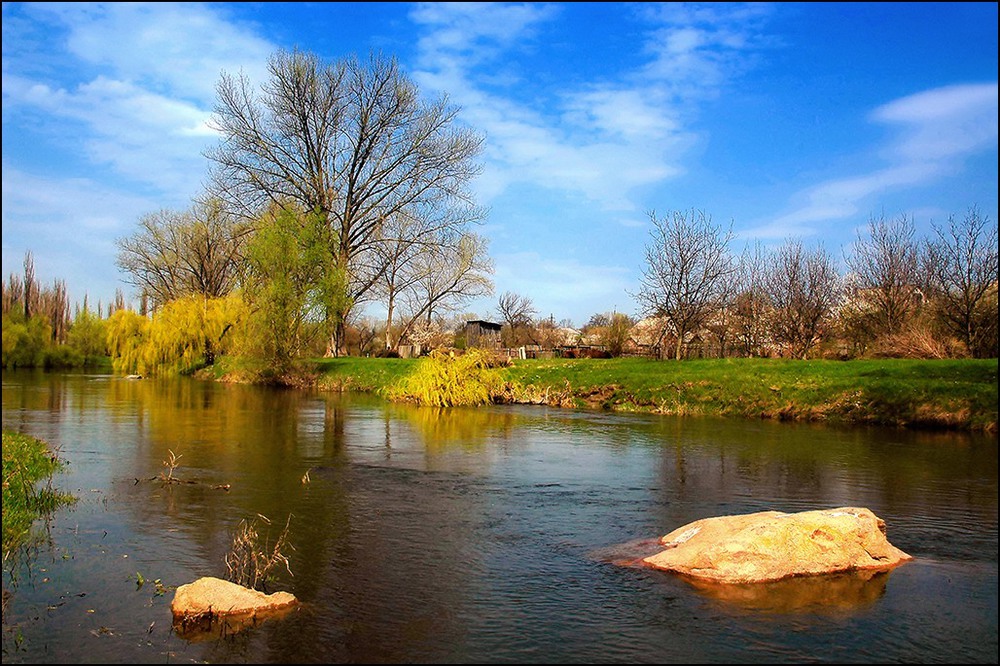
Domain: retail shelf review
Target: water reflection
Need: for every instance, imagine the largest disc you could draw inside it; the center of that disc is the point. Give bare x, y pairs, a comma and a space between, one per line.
825, 594
442, 536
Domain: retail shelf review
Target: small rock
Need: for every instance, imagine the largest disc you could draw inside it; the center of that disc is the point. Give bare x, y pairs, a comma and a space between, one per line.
212, 607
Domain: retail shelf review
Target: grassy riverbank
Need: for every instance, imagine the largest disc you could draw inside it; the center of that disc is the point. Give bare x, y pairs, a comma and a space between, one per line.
27, 461
955, 394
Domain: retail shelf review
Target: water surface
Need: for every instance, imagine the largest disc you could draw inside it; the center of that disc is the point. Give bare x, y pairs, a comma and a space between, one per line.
481, 535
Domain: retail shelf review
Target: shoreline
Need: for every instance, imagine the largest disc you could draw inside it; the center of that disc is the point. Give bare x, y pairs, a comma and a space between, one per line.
917, 394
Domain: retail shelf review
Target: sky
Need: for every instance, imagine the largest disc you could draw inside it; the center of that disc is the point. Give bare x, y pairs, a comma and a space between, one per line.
780, 121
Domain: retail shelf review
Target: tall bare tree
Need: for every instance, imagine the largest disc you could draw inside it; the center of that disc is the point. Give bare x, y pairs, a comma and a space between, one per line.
178, 253
885, 269
350, 140
688, 272
803, 288
961, 265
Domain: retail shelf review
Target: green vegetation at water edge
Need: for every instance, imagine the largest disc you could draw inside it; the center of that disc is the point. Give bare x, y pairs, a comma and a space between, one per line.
27, 462
957, 394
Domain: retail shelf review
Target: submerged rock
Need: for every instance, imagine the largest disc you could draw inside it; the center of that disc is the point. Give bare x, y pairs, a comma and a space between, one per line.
212, 606
771, 545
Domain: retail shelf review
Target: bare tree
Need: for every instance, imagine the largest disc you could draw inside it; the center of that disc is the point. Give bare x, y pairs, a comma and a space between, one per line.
448, 274
687, 274
517, 313
177, 253
961, 265
750, 302
885, 268
803, 287
351, 141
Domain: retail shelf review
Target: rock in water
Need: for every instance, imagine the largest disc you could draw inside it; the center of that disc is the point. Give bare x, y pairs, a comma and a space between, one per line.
214, 606
771, 545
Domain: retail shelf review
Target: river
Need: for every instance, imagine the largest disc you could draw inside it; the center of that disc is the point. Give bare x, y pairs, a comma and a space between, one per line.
483, 535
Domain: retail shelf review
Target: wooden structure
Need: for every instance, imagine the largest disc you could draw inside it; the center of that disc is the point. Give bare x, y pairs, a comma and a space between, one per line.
482, 334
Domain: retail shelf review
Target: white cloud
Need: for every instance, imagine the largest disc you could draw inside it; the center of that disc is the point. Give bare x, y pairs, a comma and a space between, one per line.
179, 48
601, 141
144, 111
70, 226
939, 124
934, 132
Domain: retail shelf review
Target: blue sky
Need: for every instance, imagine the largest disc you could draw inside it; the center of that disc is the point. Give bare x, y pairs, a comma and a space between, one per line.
786, 120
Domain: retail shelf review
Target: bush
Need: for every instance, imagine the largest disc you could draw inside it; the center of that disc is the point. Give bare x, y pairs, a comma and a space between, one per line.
449, 379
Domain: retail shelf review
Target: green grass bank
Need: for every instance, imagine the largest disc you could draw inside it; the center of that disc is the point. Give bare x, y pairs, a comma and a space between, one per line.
949, 394
28, 466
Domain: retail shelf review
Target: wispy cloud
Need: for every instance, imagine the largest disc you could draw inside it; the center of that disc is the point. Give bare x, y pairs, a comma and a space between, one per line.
68, 224
933, 132
603, 139
144, 110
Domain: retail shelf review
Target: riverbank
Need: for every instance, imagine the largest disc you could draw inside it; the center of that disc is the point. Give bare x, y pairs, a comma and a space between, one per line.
943, 394
27, 462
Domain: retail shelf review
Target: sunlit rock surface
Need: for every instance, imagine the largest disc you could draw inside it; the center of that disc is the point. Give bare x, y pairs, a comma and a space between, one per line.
212, 606
771, 545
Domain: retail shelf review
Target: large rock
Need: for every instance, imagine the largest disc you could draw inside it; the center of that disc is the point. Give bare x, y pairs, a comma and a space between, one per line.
210, 607
771, 545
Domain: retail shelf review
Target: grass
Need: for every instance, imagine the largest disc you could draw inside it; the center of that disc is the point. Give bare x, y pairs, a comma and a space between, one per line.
953, 394
27, 462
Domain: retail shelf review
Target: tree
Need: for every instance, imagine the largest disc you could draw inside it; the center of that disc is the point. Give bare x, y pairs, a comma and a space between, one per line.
517, 313
178, 253
803, 287
183, 335
885, 268
447, 276
616, 335
687, 274
350, 141
961, 265
750, 302
88, 336
290, 278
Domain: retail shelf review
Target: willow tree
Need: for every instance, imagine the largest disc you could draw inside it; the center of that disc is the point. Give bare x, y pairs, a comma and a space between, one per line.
352, 141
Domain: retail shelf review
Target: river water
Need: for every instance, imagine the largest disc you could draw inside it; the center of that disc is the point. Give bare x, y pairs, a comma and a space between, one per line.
487, 535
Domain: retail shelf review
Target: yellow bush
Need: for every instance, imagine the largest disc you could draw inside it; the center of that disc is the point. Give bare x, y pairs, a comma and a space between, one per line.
449, 379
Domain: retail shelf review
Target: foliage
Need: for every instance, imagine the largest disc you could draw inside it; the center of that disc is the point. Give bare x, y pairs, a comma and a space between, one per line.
25, 342
184, 335
447, 379
88, 336
26, 461
127, 337
292, 278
